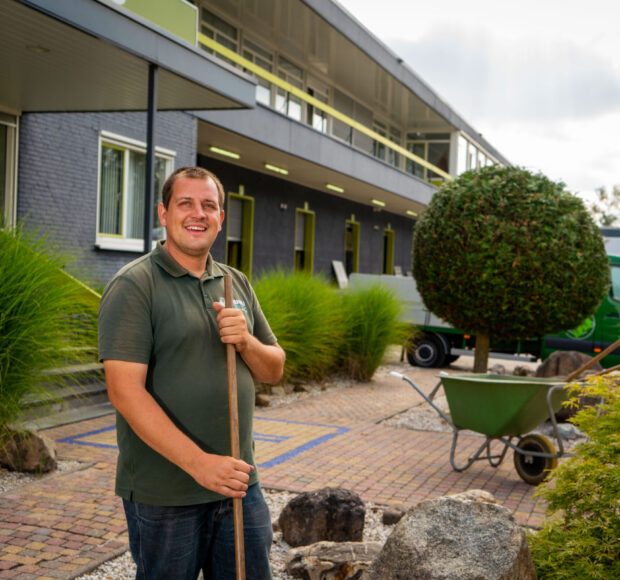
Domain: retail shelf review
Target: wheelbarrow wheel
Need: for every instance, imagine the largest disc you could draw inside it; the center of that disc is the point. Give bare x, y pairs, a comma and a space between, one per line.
531, 468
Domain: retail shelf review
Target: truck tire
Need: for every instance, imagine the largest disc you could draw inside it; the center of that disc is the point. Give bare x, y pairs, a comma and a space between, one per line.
427, 352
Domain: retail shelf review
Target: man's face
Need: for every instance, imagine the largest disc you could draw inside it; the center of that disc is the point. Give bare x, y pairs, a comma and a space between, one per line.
193, 218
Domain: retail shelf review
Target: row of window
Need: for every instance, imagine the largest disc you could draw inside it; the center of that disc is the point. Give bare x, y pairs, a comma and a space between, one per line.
239, 239
434, 148
120, 215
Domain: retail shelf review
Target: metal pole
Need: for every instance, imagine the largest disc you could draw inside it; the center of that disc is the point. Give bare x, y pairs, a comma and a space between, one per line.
149, 181
231, 362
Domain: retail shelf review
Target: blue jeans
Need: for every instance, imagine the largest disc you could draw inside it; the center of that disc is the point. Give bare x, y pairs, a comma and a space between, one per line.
171, 543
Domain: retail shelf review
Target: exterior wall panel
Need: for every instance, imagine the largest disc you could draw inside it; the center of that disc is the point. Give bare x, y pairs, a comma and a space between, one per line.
58, 176
274, 228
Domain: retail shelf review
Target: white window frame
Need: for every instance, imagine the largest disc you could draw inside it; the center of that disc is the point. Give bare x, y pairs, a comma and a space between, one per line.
115, 241
11, 122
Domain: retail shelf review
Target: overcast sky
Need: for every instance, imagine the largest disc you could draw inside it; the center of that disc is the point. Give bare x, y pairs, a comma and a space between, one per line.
540, 79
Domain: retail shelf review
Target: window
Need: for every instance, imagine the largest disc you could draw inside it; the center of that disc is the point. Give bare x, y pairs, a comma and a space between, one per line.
378, 148
395, 137
432, 147
388, 251
285, 102
240, 232
352, 246
120, 221
304, 240
264, 59
8, 169
615, 283
316, 117
220, 31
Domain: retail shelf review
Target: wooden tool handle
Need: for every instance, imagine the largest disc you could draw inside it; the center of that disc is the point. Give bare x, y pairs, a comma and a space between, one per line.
233, 407
597, 358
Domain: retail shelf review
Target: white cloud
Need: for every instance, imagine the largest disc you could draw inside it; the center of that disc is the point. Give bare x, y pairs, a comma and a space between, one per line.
540, 79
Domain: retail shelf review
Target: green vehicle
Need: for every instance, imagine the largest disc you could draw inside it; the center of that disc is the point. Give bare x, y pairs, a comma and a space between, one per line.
441, 344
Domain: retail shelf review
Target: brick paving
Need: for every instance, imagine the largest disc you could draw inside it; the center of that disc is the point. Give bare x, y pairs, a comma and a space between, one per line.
66, 524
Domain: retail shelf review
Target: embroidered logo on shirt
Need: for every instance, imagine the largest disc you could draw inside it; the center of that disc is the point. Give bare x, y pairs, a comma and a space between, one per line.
239, 304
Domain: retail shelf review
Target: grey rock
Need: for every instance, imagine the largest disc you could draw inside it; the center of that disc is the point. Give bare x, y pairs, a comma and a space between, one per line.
563, 363
262, 400
474, 495
392, 516
520, 371
456, 539
328, 514
332, 560
27, 451
497, 369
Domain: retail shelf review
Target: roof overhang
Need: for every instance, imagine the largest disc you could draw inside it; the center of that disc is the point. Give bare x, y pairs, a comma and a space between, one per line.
62, 55
262, 136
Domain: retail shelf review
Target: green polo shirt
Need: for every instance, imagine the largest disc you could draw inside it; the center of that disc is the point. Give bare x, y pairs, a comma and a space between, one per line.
156, 313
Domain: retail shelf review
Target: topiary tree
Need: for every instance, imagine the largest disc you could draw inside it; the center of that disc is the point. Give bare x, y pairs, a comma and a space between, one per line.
508, 254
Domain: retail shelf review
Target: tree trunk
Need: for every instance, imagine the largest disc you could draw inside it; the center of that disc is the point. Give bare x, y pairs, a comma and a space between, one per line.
481, 354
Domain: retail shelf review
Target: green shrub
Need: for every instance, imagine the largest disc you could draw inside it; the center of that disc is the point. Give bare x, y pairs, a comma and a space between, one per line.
581, 538
42, 317
371, 324
303, 312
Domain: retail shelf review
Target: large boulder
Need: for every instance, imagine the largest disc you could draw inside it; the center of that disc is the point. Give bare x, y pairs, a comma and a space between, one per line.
562, 363
331, 560
27, 451
329, 514
456, 538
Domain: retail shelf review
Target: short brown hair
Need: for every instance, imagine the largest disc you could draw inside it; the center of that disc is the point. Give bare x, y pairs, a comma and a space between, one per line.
190, 173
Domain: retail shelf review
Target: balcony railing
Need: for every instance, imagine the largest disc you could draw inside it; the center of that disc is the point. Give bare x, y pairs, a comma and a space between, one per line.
317, 104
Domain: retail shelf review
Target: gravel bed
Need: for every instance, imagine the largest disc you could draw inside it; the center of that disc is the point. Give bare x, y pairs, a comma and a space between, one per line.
123, 567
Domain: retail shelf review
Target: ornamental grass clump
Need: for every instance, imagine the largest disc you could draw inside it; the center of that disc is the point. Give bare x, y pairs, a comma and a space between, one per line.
304, 314
581, 538
43, 319
371, 324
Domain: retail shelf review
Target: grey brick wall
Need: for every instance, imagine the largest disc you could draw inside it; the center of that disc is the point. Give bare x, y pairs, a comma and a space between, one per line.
58, 173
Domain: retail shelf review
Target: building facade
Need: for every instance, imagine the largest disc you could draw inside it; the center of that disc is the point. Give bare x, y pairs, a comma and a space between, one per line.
334, 155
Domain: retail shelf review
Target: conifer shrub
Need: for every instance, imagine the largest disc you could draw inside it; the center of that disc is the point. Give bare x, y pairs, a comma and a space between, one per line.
581, 538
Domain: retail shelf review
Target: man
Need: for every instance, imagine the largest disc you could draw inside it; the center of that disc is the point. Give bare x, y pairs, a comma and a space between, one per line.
163, 332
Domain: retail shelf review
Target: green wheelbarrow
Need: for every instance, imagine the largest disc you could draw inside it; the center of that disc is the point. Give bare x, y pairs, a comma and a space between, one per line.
503, 408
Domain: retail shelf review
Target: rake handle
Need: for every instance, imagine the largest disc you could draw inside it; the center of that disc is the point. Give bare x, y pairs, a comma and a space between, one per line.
597, 358
231, 364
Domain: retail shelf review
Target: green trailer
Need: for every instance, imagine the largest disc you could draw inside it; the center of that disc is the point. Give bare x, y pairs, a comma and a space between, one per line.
503, 408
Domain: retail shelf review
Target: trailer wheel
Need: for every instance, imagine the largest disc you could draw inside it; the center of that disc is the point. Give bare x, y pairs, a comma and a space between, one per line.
531, 468
427, 352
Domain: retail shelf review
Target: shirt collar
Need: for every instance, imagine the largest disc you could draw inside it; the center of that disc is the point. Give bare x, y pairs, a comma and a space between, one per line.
170, 265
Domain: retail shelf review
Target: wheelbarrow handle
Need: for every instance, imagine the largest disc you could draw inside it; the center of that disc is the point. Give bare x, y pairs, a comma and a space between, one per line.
424, 396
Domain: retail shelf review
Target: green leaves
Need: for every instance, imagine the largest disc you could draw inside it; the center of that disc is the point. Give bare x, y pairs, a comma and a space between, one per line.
581, 538
509, 253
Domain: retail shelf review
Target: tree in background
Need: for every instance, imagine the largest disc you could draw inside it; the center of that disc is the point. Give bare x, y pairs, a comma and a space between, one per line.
606, 208
504, 253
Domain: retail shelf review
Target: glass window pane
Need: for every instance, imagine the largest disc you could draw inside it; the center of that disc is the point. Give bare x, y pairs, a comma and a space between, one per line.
162, 168
615, 282
111, 191
3, 161
135, 195
300, 230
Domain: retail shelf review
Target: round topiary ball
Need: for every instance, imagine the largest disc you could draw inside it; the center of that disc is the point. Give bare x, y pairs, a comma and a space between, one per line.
510, 254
